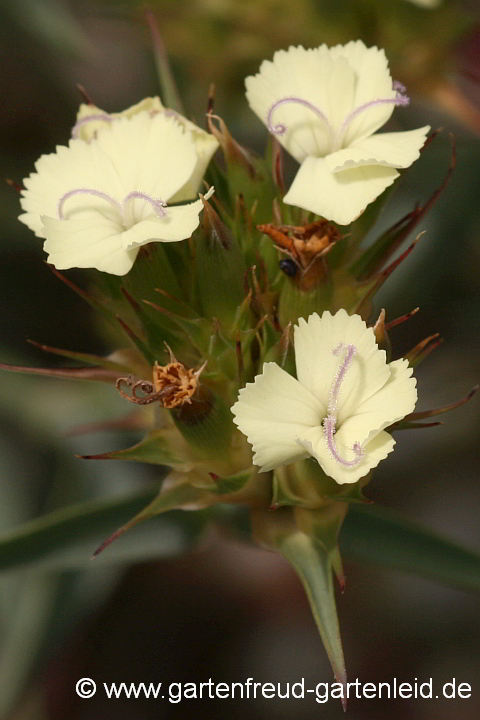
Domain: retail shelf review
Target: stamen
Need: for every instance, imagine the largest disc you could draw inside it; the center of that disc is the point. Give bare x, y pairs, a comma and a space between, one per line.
329, 426
399, 99
158, 205
330, 422
342, 371
85, 191
90, 118
280, 129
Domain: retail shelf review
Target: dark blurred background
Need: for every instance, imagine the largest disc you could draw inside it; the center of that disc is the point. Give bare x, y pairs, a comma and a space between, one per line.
158, 610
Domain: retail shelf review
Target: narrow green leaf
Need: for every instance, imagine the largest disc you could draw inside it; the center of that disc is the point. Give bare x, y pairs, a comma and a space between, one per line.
38, 538
97, 374
169, 92
52, 23
173, 498
86, 358
380, 536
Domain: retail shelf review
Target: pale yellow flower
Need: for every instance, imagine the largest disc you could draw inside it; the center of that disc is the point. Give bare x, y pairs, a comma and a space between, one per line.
97, 202
337, 409
325, 106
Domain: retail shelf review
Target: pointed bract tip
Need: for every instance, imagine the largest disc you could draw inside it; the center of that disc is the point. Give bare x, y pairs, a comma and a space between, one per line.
216, 232
210, 101
233, 151
341, 679
422, 415
85, 96
108, 542
379, 327
16, 186
170, 352
401, 319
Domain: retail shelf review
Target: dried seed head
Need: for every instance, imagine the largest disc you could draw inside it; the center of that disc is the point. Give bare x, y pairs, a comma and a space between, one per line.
304, 244
173, 385
180, 381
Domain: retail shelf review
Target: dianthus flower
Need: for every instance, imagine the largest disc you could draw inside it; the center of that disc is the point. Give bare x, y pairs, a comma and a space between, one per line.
324, 105
337, 410
98, 202
91, 119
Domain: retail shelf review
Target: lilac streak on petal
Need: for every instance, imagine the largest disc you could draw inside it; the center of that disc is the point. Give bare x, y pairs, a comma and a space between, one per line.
330, 422
90, 118
329, 433
158, 205
401, 100
85, 191
280, 129
342, 371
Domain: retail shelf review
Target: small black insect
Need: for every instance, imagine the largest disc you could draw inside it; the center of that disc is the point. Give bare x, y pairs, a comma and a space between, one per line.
288, 266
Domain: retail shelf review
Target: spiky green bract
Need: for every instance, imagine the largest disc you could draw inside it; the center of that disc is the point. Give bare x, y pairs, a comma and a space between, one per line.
309, 541
247, 175
220, 268
372, 259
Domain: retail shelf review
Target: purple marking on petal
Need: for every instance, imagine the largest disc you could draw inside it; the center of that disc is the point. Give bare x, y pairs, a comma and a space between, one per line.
399, 99
280, 129
340, 376
330, 421
329, 426
90, 118
85, 191
157, 204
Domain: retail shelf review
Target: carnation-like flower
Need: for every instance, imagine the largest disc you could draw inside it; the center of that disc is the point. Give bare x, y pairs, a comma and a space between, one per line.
324, 105
337, 410
98, 202
91, 119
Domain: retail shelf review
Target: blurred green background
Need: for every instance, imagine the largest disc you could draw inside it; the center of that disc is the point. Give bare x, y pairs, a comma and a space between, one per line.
146, 611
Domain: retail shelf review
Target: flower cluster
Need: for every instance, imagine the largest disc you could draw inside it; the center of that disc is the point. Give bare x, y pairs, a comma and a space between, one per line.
252, 333
117, 185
